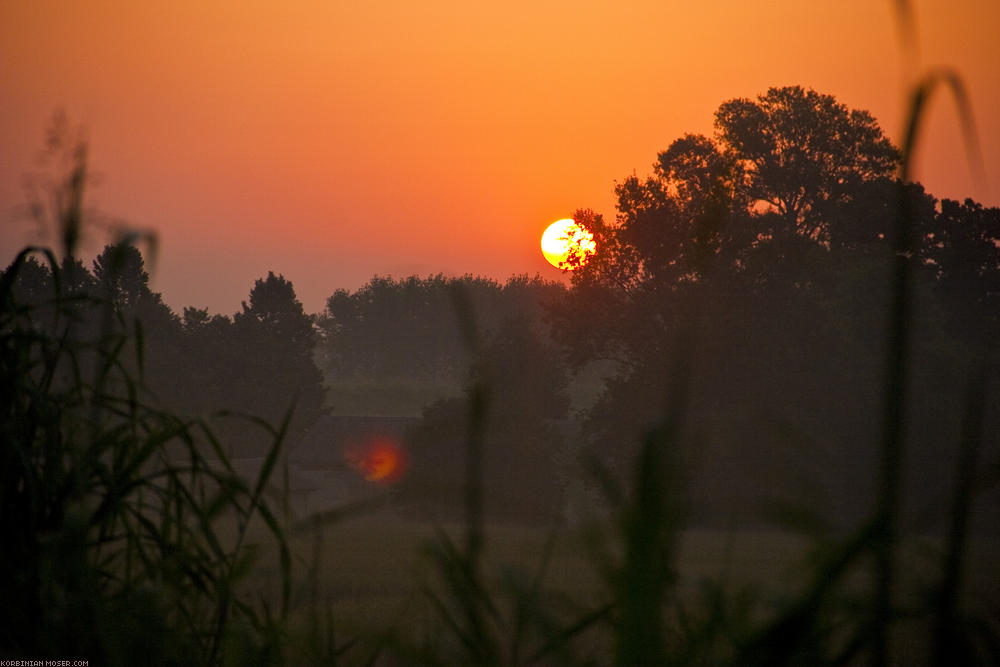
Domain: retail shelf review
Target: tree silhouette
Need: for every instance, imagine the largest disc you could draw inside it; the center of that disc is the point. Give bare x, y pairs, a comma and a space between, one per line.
406, 330
525, 385
32, 284
761, 258
760, 202
963, 250
275, 342
676, 221
120, 273
393, 328
801, 151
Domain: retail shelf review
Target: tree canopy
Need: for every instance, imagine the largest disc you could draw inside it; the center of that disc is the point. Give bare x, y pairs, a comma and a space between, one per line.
275, 339
762, 256
121, 276
770, 183
800, 151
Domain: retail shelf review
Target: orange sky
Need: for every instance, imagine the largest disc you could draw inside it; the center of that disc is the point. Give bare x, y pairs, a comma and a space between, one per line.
330, 141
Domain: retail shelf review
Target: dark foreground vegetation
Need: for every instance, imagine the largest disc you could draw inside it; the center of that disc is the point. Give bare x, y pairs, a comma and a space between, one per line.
758, 428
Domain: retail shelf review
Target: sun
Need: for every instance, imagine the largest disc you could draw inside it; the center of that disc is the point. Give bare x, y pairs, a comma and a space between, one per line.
563, 237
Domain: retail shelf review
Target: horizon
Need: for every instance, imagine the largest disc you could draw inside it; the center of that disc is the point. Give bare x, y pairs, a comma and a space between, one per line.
331, 144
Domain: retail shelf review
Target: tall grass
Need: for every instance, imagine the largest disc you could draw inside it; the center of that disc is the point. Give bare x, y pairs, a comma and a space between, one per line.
123, 526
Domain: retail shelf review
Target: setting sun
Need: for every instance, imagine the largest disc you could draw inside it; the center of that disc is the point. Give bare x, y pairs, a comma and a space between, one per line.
563, 237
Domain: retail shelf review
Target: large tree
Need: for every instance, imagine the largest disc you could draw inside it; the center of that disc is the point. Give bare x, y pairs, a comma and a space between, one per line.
678, 220
762, 200
276, 340
761, 259
801, 151
963, 249
122, 280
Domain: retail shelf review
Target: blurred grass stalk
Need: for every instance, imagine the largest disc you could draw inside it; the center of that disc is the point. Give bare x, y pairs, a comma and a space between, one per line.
896, 375
112, 514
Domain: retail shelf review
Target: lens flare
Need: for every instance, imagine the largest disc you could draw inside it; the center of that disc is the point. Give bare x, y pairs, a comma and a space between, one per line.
381, 461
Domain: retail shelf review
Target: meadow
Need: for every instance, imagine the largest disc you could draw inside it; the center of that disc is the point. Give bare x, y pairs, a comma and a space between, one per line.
362, 583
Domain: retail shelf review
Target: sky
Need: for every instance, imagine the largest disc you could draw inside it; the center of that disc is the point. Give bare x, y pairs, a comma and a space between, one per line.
331, 141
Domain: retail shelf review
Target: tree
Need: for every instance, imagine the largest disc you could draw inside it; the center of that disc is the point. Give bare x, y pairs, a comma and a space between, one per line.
525, 372
275, 311
801, 151
35, 286
523, 383
394, 345
728, 259
120, 272
208, 364
32, 284
275, 340
670, 227
677, 221
139, 315
675, 229
76, 280
963, 248
756, 206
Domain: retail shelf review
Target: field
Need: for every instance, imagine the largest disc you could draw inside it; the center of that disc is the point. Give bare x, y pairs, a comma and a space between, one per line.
371, 577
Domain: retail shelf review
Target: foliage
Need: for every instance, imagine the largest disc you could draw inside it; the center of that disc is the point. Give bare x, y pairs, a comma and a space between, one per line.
794, 298
773, 244
121, 278
114, 512
801, 151
124, 525
395, 332
963, 249
527, 384
274, 339
768, 185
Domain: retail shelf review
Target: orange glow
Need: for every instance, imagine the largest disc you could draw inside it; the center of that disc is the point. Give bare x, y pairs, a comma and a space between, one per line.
333, 141
379, 461
564, 236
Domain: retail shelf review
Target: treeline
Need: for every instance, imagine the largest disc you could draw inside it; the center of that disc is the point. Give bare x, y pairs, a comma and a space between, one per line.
745, 284
393, 346
258, 362
271, 354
